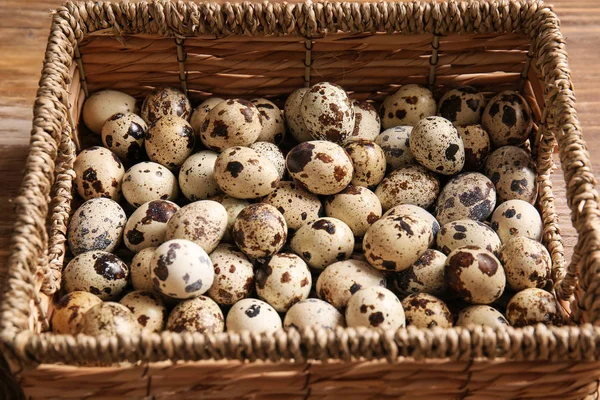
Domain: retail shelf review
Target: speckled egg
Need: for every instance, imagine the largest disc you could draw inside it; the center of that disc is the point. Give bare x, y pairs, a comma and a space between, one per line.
517, 218
169, 141
102, 105
293, 117
67, 317
147, 181
272, 153
233, 122
200, 314
375, 307
259, 230
423, 310
507, 119
340, 280
526, 262
297, 205
409, 105
436, 145
314, 313
200, 112
410, 185
466, 232
328, 113
357, 206
202, 222
233, 207
395, 242
467, 196
323, 242
481, 315
475, 275
283, 281
395, 143
421, 213
141, 278
234, 275
477, 146
426, 275
320, 166
196, 176
123, 134
368, 160
513, 172
242, 173
97, 224
98, 173
252, 315
367, 124
271, 118
148, 310
97, 272
110, 319
462, 106
165, 102
147, 226
532, 306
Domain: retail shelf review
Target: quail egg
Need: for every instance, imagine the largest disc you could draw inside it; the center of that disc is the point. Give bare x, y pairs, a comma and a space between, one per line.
233, 207
436, 145
532, 306
409, 185
298, 206
368, 160
148, 310
169, 141
357, 206
196, 177
481, 315
423, 310
234, 275
147, 226
67, 317
426, 275
517, 218
259, 231
513, 172
110, 319
98, 272
252, 315
200, 112
165, 102
367, 124
123, 134
149, 181
526, 262
507, 119
466, 232
272, 153
477, 146
466, 196
395, 143
141, 278
411, 209
293, 117
271, 117
233, 122
102, 105
462, 106
98, 173
375, 307
409, 105
199, 314
314, 313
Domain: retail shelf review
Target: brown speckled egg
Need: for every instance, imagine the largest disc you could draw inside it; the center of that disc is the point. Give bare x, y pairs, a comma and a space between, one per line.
513, 172
409, 105
357, 206
475, 275
395, 143
411, 209
97, 272
436, 145
101, 105
259, 230
123, 134
234, 275
196, 177
368, 160
328, 113
202, 222
426, 275
200, 113
169, 141
322, 167
147, 181
375, 307
233, 207
297, 205
323, 242
272, 153
110, 319
395, 242
234, 122
409, 185
147, 226
141, 278
367, 124
517, 218
165, 102
526, 262
98, 173
423, 310
315, 313
481, 315
96, 225
507, 119
462, 106
242, 173
283, 281
477, 146
467, 196
68, 313
148, 310
200, 314
252, 315
532, 306
293, 117
340, 280
466, 232
271, 118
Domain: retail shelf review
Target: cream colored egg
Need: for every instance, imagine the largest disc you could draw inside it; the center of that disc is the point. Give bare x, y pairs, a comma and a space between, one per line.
466, 232
313, 313
196, 176
97, 272
147, 181
375, 307
272, 153
513, 172
123, 134
527, 263
477, 146
507, 119
234, 275
395, 143
148, 310
407, 106
293, 117
102, 105
466, 196
98, 173
409, 185
357, 206
147, 226
165, 102
259, 231
426, 275
271, 118
423, 310
436, 145
141, 278
421, 213
283, 281
200, 314
367, 124
234, 122
533, 306
252, 315
297, 205
517, 218
481, 315
110, 319
169, 141
200, 112
68, 313
462, 106
368, 160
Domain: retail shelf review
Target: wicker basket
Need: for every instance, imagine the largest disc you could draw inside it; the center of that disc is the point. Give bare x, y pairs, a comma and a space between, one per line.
268, 50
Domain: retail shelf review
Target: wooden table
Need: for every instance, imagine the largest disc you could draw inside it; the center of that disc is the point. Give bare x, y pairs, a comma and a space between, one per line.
24, 30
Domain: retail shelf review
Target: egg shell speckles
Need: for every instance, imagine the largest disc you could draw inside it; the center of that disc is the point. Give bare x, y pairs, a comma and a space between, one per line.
271, 118
462, 106
272, 153
368, 160
395, 143
517, 218
147, 309
200, 314
421, 213
165, 102
532, 306
466, 232
234, 275
98, 173
475, 275
97, 272
357, 206
124, 134
67, 317
527, 263
242, 173
436, 145
340, 280
477, 146
426, 275
110, 319
328, 113
293, 117
481, 315
466, 196
234, 122
141, 278
101, 105
423, 310
147, 181
170, 141
97, 224
233, 207
259, 230
321, 167
147, 226
410, 185
297, 205
367, 124
375, 307
514, 173
409, 105
252, 315
196, 177
200, 113
507, 119
314, 313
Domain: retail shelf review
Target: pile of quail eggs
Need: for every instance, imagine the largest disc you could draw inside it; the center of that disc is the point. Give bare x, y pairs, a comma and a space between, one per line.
238, 216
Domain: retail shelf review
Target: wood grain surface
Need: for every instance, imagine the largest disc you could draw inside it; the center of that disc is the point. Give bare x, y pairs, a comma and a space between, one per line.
24, 30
